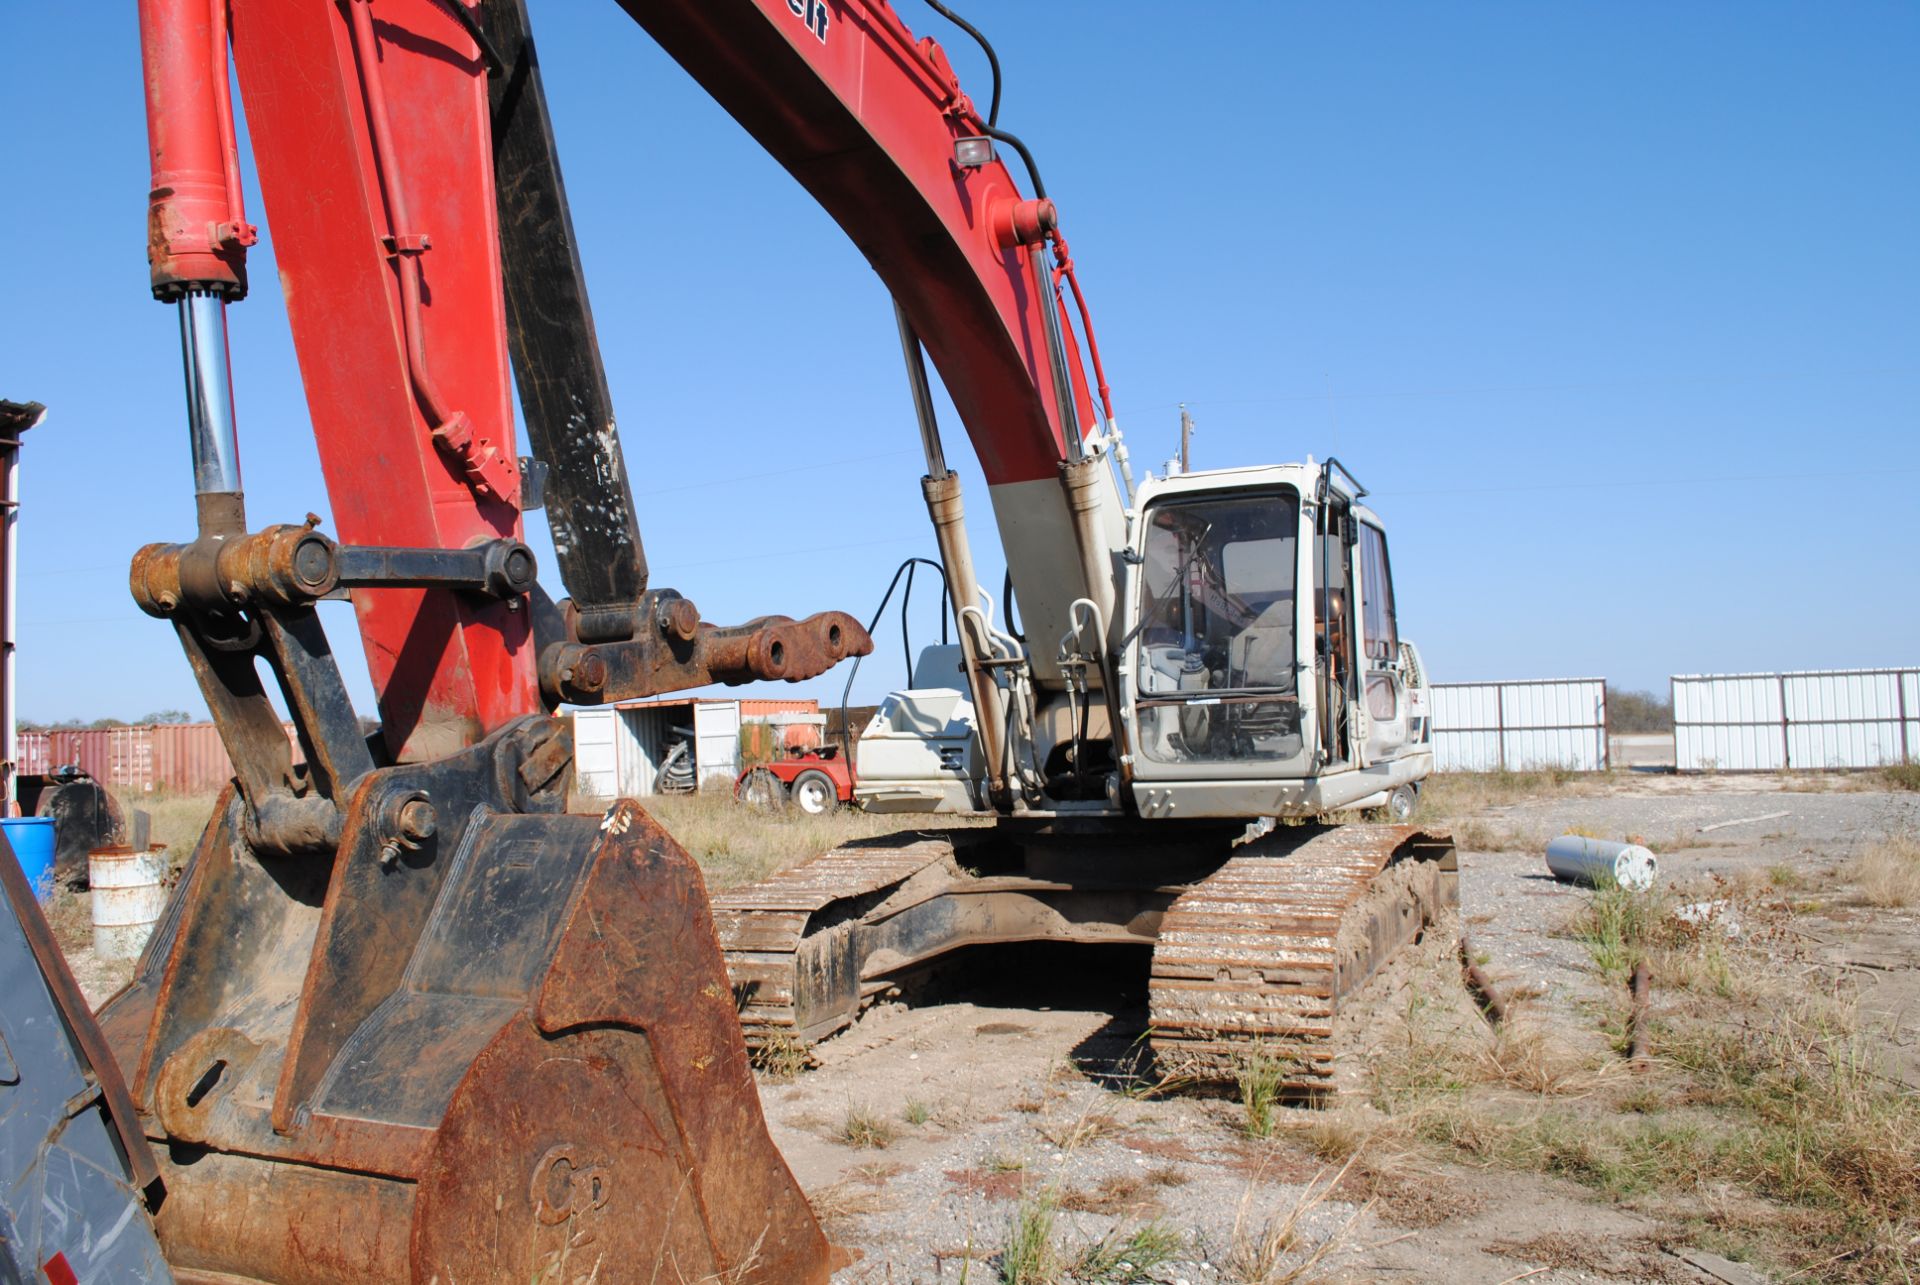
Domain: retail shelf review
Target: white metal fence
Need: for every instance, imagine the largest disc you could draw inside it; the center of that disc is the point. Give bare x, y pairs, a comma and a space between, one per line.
1520, 726
1839, 718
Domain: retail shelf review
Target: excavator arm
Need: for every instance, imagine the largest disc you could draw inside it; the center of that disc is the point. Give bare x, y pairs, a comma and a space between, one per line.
407, 1019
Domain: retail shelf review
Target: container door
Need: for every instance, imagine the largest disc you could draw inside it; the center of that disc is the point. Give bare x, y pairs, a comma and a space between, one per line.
716, 740
1384, 685
596, 770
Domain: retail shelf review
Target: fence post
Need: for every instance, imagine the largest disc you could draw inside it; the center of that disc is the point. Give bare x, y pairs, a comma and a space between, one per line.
1786, 737
1500, 726
1606, 739
1900, 693
1673, 703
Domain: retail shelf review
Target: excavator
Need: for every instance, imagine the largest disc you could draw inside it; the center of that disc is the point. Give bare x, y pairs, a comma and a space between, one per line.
406, 1018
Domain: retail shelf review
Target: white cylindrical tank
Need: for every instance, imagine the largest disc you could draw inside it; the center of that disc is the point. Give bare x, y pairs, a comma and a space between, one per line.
1576, 858
129, 894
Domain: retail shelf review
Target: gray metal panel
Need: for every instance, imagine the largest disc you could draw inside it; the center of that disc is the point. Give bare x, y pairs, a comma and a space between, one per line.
645, 737
1813, 720
63, 1178
1520, 726
716, 746
596, 762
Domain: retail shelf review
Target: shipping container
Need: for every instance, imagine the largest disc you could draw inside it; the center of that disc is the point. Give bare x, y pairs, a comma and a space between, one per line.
172, 758
620, 750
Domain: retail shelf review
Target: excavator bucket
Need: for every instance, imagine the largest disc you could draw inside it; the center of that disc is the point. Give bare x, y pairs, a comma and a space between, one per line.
484, 1040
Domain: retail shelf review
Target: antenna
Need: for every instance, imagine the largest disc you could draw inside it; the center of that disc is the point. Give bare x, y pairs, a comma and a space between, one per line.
1186, 439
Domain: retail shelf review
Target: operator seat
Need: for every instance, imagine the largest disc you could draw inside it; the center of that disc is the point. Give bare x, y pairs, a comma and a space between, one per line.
1261, 655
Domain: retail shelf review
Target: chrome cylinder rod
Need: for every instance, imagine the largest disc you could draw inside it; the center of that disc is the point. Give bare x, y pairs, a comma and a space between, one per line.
210, 423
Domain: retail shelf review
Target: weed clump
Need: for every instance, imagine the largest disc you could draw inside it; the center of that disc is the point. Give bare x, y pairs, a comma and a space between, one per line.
862, 1127
1887, 872
1261, 1080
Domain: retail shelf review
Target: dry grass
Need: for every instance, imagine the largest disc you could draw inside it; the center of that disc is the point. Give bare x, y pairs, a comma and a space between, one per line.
847, 1200
735, 845
1766, 1082
732, 844
1115, 1194
863, 1127
1449, 795
1473, 835
1887, 872
175, 821
70, 915
1069, 1133
1276, 1250
1033, 1254
780, 1057
1260, 1080
1901, 776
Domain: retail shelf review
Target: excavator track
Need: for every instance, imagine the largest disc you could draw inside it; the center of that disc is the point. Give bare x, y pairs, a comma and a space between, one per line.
1256, 959
788, 941
1251, 959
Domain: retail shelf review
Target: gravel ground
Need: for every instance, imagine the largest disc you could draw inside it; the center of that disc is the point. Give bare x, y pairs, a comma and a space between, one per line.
1023, 1102
1018, 1089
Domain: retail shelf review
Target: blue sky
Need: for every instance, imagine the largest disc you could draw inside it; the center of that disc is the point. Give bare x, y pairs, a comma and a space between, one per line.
1615, 307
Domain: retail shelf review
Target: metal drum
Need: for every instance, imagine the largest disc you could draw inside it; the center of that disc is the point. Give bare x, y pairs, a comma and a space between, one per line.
1575, 858
129, 894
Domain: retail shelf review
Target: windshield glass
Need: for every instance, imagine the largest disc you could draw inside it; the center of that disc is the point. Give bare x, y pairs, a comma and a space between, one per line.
1217, 667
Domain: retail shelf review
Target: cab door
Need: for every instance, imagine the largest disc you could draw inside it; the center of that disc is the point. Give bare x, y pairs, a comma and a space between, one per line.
1383, 685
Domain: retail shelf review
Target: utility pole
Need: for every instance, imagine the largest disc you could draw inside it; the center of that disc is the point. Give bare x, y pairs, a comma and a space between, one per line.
1186, 439
15, 419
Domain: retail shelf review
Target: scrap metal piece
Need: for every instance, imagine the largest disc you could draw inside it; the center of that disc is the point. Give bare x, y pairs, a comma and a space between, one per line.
681, 652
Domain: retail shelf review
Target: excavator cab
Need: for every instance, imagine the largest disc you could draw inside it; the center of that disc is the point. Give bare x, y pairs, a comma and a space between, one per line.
1262, 672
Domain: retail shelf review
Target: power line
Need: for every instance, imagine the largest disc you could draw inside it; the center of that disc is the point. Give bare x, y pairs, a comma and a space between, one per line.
1623, 483
1586, 387
737, 478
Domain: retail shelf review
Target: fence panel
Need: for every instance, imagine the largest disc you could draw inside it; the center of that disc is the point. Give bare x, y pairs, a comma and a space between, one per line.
1817, 719
1520, 726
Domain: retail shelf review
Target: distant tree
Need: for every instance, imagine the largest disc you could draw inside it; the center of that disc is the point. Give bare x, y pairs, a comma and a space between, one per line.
1638, 712
168, 716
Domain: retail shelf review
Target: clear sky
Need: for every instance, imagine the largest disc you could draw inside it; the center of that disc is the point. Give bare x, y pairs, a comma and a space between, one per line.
1615, 307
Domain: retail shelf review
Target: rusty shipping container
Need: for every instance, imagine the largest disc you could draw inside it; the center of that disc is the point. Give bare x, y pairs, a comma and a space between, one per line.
171, 758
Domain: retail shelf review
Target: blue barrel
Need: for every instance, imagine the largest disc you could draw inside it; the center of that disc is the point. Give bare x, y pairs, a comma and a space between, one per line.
32, 840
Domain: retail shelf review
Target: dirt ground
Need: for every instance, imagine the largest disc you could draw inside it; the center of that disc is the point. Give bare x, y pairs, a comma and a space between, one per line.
1013, 1099
1000, 1124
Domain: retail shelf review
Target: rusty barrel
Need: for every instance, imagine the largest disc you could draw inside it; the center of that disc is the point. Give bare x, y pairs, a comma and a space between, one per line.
129, 889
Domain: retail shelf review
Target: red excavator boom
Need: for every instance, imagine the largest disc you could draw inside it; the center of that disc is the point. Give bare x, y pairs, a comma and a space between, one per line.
406, 1019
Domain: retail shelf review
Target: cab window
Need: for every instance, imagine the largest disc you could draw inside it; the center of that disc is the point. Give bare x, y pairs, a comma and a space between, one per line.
1381, 630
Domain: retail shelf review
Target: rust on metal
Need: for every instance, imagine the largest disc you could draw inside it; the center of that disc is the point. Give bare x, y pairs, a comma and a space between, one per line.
1485, 993
1640, 988
679, 652
1256, 957
793, 977
474, 1045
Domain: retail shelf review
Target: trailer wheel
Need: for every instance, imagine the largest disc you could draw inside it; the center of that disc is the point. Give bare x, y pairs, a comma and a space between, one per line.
815, 794
761, 790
